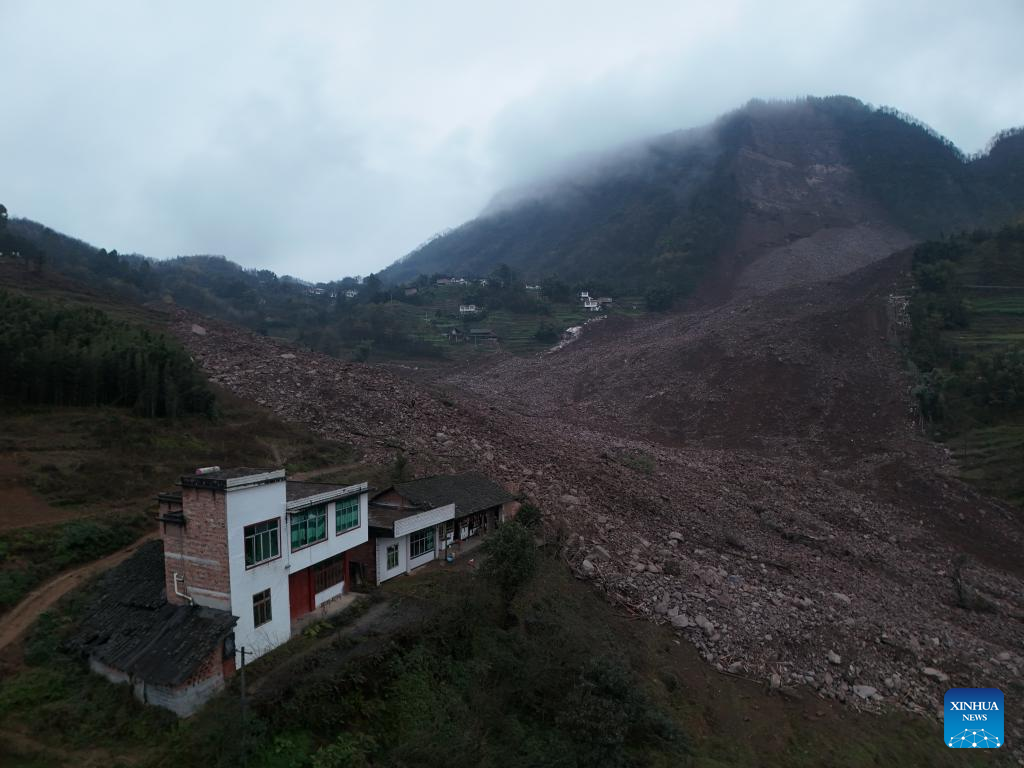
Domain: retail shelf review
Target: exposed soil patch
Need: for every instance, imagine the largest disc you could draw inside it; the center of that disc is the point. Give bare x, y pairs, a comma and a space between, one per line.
21, 505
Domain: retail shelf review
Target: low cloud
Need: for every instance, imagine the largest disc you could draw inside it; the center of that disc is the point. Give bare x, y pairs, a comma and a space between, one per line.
332, 141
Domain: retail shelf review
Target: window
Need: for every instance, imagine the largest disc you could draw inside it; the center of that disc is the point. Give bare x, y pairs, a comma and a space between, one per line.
421, 542
346, 515
309, 526
328, 573
392, 556
261, 608
262, 542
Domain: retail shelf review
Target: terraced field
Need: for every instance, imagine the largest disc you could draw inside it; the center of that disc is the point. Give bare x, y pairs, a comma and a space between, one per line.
997, 319
516, 331
992, 458
988, 441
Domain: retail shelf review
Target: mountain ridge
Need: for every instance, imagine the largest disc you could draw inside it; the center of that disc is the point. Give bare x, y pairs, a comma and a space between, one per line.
669, 210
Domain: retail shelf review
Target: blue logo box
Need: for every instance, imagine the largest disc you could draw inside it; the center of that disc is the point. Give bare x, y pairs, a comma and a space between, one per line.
973, 718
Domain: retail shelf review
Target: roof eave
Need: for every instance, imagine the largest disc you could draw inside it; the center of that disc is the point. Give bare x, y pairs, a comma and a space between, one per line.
332, 495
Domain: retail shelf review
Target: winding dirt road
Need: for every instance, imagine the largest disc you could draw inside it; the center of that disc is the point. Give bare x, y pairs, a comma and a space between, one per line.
24, 614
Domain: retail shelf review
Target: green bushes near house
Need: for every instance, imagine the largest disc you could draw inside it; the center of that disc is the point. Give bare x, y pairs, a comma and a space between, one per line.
30, 556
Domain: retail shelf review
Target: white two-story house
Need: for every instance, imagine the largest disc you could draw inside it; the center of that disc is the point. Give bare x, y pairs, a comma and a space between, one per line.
268, 550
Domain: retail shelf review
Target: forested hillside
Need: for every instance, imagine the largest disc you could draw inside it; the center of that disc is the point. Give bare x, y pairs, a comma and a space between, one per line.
967, 341
667, 212
78, 356
344, 318
832, 178
320, 315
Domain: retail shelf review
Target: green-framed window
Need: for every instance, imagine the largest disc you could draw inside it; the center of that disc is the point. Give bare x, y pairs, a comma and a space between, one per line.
262, 542
346, 515
261, 613
309, 526
421, 542
392, 556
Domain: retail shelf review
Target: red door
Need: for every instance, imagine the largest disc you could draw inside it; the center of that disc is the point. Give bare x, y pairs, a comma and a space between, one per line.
300, 593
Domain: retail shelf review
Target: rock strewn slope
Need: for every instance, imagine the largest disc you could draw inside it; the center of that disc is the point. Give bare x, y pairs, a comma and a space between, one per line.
809, 539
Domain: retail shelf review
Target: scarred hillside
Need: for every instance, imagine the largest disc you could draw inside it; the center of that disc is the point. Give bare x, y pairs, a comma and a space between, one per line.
751, 475
783, 182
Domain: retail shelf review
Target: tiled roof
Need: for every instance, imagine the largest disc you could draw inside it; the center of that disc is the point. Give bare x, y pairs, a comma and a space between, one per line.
470, 492
130, 626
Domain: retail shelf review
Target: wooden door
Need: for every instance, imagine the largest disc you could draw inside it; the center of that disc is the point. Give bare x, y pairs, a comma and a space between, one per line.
300, 593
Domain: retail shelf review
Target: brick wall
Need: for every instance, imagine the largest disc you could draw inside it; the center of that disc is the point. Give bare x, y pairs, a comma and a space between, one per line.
198, 551
366, 556
166, 506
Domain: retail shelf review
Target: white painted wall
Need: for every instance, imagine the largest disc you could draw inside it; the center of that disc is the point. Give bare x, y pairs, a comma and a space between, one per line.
383, 574
426, 557
333, 544
422, 520
329, 594
182, 701
265, 502
245, 507
406, 564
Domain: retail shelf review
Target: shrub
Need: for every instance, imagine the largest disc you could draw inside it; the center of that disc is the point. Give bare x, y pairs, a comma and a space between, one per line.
529, 516
510, 559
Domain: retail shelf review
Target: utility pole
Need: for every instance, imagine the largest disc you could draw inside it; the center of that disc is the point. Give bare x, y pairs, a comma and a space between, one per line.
245, 726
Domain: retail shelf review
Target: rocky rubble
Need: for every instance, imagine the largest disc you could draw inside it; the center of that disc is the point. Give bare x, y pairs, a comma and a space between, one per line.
814, 558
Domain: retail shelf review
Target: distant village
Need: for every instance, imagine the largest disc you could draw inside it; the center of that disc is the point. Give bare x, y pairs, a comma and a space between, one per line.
247, 558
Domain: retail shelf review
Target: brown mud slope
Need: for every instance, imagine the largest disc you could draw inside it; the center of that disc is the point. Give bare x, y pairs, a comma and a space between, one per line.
751, 474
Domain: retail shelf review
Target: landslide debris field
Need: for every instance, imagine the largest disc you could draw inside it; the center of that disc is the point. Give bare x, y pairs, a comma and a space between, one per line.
752, 475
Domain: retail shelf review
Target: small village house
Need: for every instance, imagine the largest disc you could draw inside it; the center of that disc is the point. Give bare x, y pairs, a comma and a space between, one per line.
483, 336
173, 656
415, 522
454, 335
468, 309
245, 556
267, 549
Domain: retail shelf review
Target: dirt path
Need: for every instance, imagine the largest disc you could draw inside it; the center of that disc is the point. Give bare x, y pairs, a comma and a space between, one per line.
22, 616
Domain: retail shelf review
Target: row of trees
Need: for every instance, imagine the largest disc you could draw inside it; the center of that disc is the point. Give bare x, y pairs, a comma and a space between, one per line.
75, 356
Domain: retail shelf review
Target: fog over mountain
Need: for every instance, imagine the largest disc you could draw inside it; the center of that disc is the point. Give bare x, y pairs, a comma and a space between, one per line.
334, 141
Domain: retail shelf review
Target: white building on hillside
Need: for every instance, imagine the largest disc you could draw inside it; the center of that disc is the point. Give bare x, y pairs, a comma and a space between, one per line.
268, 550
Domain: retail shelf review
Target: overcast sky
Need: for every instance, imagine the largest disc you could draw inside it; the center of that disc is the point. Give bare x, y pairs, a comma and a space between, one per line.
330, 140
